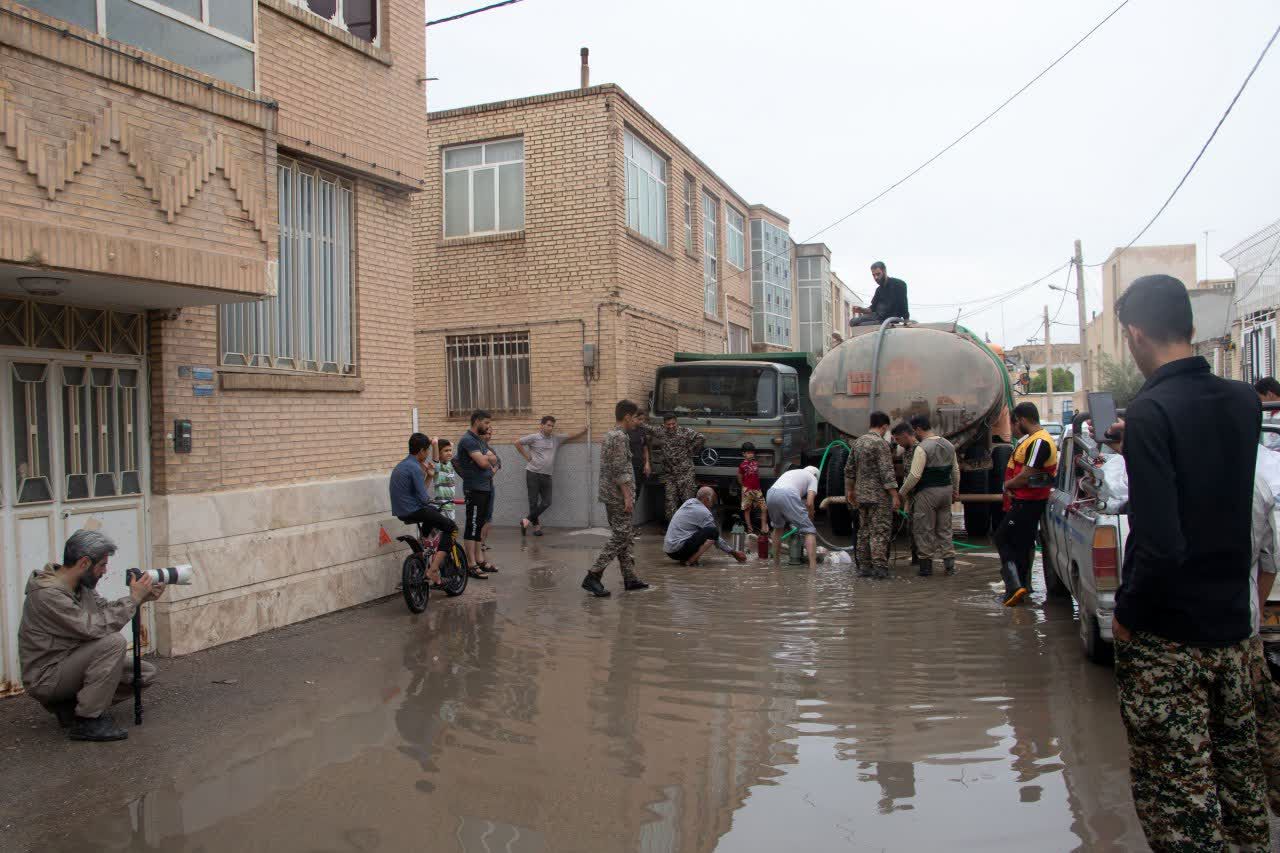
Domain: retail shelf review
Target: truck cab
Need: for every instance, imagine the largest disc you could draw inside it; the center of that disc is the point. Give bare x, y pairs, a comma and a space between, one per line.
732, 401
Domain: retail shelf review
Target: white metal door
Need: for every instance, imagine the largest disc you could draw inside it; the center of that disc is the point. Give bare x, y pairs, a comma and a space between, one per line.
73, 452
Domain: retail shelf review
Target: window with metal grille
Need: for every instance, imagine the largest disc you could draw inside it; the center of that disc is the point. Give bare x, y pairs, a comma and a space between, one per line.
25, 323
310, 324
488, 372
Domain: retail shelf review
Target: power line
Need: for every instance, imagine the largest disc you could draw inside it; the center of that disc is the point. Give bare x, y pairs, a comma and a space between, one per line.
472, 12
1203, 148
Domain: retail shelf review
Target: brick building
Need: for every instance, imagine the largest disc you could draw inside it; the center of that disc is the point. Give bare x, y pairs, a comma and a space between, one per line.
571, 246
203, 208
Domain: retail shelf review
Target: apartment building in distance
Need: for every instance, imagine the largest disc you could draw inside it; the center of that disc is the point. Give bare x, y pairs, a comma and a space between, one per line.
1103, 340
1254, 306
567, 245
204, 300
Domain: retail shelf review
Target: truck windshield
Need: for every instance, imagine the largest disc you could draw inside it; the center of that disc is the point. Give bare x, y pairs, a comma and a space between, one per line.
748, 392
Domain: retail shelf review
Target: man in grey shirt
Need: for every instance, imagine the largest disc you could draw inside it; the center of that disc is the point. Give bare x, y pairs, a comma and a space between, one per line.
539, 451
693, 531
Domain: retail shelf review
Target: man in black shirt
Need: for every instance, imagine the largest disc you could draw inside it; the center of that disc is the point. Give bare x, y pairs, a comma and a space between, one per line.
1182, 618
889, 300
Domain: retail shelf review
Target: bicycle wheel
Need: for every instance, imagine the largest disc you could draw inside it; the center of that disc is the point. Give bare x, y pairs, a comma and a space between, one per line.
413, 583
453, 571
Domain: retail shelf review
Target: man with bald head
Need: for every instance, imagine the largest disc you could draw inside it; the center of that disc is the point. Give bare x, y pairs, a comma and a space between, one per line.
693, 530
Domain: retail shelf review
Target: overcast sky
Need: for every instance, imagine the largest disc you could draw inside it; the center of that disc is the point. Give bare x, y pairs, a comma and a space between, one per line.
813, 107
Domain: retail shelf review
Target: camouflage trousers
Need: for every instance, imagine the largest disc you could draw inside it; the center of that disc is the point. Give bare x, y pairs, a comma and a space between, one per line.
679, 486
1193, 748
620, 541
875, 530
1266, 704
931, 523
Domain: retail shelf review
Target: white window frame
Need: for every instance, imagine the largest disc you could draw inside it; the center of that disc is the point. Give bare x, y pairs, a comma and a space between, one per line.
483, 165
643, 159
338, 19
735, 237
309, 326
771, 272
690, 193
710, 257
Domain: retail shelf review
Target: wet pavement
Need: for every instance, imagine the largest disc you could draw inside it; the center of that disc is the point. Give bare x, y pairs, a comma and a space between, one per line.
729, 708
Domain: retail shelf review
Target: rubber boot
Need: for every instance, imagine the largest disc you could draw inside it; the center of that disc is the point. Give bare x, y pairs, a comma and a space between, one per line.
926, 568
1014, 591
949, 565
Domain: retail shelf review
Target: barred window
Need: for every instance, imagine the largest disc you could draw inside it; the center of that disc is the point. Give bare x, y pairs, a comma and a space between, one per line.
309, 325
488, 372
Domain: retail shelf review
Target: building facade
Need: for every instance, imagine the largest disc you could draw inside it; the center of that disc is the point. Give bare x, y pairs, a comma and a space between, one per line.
1030, 359
204, 299
571, 245
1257, 298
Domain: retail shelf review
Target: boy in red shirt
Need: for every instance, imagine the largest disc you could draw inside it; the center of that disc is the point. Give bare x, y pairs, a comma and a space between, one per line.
749, 480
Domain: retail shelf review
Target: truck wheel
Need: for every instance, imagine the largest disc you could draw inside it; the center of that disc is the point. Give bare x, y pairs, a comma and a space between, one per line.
1000, 454
1053, 585
1096, 649
977, 517
833, 485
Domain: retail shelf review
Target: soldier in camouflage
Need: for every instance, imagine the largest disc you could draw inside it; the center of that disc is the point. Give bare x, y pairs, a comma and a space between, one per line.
871, 486
679, 447
617, 493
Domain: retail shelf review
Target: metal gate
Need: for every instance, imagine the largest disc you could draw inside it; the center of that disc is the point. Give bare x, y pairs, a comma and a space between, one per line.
74, 452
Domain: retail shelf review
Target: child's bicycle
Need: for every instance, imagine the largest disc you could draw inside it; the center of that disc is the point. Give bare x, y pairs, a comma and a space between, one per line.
413, 575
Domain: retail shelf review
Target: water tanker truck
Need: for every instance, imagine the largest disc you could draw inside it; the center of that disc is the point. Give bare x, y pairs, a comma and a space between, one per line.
792, 406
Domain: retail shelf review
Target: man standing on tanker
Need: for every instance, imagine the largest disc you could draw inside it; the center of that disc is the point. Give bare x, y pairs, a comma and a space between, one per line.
889, 300
679, 446
871, 486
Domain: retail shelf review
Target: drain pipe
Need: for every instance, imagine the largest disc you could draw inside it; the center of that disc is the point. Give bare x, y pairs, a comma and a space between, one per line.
875, 361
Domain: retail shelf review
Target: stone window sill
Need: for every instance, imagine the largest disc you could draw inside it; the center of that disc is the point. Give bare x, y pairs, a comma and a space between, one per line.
255, 379
645, 241
313, 21
504, 237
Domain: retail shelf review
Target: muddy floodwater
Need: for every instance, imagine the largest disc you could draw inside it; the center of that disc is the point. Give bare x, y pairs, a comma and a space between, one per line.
730, 708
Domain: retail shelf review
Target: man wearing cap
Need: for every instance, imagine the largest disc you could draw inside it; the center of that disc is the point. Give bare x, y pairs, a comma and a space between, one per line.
870, 485
791, 504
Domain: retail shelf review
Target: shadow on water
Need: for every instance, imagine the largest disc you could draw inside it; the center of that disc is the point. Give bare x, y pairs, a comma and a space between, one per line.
728, 708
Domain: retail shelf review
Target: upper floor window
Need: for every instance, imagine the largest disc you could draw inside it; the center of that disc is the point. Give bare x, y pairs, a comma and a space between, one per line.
358, 17
211, 36
310, 323
735, 237
689, 193
484, 188
710, 258
646, 189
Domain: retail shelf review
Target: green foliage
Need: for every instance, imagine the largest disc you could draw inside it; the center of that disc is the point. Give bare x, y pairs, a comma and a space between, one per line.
1121, 378
1062, 381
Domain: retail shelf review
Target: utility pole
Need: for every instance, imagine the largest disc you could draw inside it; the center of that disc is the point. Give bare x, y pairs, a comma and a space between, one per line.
1047, 412
1084, 350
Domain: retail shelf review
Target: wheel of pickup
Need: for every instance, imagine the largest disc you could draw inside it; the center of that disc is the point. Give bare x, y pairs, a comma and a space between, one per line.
1053, 585
1096, 649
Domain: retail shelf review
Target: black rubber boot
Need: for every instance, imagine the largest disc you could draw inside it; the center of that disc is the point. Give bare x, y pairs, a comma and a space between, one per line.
98, 729
591, 583
949, 565
633, 584
926, 568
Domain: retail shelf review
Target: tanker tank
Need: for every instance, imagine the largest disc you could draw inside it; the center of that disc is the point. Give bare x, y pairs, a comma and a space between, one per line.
938, 369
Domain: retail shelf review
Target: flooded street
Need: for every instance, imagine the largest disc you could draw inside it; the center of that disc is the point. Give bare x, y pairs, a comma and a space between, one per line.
728, 708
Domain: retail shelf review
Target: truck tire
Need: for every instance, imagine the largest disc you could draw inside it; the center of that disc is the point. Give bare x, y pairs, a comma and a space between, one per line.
1000, 454
977, 517
833, 485
1053, 585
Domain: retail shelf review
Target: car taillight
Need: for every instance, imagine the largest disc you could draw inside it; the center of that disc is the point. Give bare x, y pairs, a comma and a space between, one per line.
1106, 558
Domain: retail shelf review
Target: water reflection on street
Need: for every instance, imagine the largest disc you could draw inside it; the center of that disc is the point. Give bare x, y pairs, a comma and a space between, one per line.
729, 708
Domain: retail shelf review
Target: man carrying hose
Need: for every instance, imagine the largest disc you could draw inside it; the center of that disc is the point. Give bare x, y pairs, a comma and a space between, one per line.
870, 485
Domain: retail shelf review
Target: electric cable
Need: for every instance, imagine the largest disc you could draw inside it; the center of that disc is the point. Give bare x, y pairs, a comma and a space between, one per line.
470, 13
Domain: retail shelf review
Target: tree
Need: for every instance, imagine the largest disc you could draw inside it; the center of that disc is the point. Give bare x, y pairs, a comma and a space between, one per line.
1063, 380
1121, 378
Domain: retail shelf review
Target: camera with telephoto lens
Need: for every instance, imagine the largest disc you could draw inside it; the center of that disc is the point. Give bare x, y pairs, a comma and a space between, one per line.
180, 575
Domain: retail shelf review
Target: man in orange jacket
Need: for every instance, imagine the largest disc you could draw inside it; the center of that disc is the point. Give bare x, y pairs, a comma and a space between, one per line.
1027, 482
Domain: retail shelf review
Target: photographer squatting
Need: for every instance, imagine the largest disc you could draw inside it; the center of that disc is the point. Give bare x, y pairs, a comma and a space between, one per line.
69, 641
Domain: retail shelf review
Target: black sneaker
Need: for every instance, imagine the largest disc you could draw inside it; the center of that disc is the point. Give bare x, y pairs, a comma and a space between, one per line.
634, 584
591, 583
97, 729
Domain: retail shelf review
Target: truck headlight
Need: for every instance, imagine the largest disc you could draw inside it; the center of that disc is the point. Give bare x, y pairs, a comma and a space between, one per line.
765, 458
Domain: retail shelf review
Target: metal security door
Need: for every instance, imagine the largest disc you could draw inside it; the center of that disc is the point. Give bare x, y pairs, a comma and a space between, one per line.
74, 454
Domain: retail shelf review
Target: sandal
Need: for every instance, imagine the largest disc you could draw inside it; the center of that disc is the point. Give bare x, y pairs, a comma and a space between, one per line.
486, 566
474, 572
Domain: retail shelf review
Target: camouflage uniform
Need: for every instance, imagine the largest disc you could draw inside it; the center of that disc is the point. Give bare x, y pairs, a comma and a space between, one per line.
1266, 704
678, 450
1193, 747
616, 470
870, 467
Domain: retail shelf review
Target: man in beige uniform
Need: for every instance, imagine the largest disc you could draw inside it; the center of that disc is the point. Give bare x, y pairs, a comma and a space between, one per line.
69, 641
934, 477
